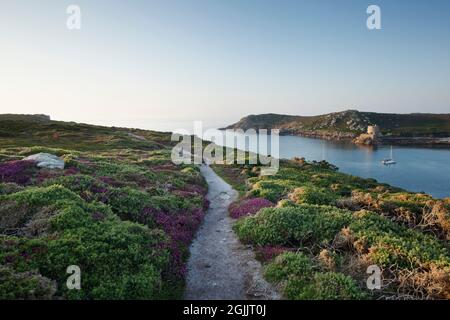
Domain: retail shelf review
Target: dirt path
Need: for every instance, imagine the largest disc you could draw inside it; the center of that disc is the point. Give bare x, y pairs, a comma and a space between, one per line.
220, 267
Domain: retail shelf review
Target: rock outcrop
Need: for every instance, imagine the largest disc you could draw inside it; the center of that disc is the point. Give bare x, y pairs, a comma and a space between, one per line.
366, 140
46, 160
371, 138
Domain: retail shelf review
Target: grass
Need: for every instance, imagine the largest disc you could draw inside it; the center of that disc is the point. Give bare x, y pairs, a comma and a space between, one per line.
233, 177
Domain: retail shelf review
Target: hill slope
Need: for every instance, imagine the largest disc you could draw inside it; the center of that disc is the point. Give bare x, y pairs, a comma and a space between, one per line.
120, 210
32, 130
349, 124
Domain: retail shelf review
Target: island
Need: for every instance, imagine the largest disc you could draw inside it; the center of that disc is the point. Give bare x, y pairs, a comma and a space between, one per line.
365, 128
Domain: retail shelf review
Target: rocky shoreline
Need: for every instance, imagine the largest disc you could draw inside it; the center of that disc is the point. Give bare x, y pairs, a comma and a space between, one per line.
363, 139
337, 136
418, 141
362, 128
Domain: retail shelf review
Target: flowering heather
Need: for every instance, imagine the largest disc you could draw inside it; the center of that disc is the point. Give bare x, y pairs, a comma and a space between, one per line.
45, 175
98, 216
195, 189
95, 192
249, 207
267, 253
117, 200
177, 266
111, 181
16, 171
147, 216
184, 194
190, 191
71, 171
206, 203
96, 189
181, 227
165, 167
84, 161
100, 194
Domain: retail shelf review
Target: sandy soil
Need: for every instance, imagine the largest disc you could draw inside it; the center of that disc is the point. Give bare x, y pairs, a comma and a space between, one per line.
220, 267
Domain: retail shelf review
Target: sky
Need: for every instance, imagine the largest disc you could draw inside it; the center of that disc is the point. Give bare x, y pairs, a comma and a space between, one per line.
156, 64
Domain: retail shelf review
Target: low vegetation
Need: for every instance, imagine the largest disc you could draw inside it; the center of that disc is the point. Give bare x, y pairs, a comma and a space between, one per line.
120, 210
327, 228
125, 214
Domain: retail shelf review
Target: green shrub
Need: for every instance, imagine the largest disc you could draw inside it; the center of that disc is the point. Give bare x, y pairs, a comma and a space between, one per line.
128, 203
324, 286
157, 158
286, 203
109, 168
8, 188
118, 260
402, 231
75, 218
301, 225
313, 195
40, 149
35, 196
393, 244
114, 256
271, 190
12, 215
24, 285
287, 265
173, 203
301, 279
77, 183
193, 171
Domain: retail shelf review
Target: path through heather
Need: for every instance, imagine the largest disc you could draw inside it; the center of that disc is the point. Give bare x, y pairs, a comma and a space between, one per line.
220, 267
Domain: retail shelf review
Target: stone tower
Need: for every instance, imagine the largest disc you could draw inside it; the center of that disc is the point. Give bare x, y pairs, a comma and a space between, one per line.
373, 131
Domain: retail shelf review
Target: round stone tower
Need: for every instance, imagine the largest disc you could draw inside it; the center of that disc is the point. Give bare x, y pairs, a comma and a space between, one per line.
374, 131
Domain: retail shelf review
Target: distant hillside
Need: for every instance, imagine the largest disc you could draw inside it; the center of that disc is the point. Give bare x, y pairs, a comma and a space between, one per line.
25, 117
349, 124
32, 130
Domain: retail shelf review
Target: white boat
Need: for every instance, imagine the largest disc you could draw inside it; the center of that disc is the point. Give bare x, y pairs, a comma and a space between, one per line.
390, 160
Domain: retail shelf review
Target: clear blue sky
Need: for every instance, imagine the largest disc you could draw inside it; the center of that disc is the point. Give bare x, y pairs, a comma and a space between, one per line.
137, 62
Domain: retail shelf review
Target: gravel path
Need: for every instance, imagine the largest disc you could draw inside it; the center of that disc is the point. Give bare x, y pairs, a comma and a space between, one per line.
220, 267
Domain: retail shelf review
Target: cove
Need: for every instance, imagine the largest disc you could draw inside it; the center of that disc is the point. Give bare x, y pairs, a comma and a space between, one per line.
418, 169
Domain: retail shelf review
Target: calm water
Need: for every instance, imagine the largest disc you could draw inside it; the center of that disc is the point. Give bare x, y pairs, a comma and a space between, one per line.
417, 169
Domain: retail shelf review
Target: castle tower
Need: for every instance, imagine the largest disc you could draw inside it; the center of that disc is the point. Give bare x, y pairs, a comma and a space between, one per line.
374, 131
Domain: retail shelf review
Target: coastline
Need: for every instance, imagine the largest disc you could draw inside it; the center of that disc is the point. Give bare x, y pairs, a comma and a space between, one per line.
383, 140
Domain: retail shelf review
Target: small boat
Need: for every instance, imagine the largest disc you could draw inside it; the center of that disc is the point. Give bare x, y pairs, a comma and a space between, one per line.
389, 161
